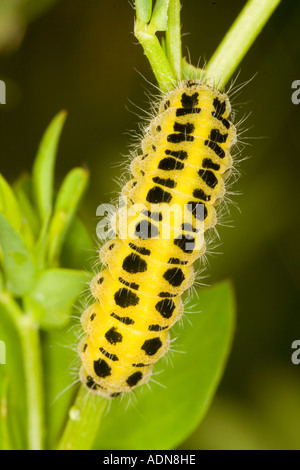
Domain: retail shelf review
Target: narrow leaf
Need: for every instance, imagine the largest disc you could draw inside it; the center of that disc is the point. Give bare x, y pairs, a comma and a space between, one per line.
43, 168
19, 268
40, 249
78, 250
51, 299
159, 19
67, 203
143, 10
24, 182
8, 204
29, 217
238, 40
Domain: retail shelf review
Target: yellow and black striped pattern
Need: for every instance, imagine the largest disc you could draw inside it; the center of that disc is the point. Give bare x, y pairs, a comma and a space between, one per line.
185, 156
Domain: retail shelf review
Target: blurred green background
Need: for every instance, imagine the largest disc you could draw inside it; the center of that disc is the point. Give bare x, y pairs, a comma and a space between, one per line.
82, 56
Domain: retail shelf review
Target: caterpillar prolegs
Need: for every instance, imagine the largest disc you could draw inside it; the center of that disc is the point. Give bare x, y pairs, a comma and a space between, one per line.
185, 155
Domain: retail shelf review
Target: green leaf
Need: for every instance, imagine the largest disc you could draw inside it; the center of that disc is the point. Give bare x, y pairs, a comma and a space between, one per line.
159, 19
8, 204
24, 182
30, 221
238, 40
19, 268
67, 202
23, 189
51, 299
143, 10
59, 355
43, 168
161, 418
78, 250
1, 281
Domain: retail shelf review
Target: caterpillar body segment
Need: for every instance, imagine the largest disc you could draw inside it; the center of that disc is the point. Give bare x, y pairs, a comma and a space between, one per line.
177, 181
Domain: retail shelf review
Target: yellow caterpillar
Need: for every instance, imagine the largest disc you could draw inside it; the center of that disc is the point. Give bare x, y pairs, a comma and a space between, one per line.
185, 157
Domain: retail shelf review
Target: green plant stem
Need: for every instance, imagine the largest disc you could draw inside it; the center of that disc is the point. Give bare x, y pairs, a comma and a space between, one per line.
158, 60
84, 420
173, 37
238, 40
30, 343
190, 72
6, 440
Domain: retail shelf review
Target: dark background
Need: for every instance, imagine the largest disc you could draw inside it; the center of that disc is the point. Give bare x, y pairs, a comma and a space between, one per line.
82, 56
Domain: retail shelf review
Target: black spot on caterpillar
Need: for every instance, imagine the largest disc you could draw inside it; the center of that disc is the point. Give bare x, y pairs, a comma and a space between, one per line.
151, 346
125, 298
134, 379
125, 320
101, 368
141, 250
157, 195
134, 264
169, 164
112, 336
